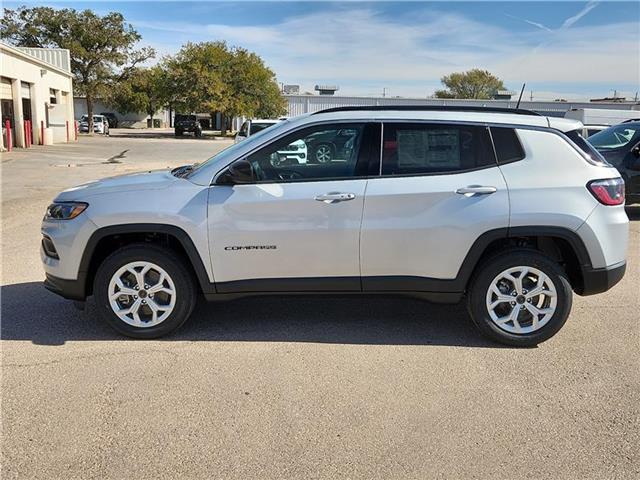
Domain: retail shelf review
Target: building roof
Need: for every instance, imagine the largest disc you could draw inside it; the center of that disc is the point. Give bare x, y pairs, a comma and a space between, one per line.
55, 59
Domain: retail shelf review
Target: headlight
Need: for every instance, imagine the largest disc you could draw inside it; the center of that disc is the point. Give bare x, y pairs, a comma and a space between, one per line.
65, 210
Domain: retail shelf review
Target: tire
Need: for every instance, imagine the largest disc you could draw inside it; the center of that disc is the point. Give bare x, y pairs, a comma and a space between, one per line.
175, 307
324, 153
522, 332
178, 133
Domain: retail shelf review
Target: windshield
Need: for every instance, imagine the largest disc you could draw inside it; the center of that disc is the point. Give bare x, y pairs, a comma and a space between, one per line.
616, 137
231, 151
258, 127
96, 119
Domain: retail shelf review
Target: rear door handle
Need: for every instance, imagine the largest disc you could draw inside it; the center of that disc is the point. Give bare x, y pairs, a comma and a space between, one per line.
472, 190
335, 197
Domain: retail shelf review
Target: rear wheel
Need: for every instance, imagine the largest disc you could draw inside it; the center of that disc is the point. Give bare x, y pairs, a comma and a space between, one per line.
144, 291
520, 298
178, 132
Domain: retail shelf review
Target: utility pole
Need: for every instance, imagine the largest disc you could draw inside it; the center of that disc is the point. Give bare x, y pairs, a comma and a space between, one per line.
531, 96
384, 92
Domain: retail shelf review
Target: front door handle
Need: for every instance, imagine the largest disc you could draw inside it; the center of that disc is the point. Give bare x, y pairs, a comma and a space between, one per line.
472, 190
335, 197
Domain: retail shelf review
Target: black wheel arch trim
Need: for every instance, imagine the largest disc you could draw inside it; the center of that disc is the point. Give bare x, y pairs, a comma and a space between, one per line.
77, 289
158, 228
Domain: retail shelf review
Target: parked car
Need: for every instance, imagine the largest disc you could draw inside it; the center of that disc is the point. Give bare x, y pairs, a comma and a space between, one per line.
187, 123
100, 124
620, 146
251, 127
296, 153
326, 146
111, 117
497, 207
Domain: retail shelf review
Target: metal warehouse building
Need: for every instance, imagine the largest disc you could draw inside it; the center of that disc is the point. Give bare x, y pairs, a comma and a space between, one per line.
36, 96
299, 104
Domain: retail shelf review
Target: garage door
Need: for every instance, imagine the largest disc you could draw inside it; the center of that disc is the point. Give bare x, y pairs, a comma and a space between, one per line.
5, 89
25, 90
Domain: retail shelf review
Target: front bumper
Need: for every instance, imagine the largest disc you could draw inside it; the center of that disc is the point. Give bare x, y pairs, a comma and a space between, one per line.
70, 289
598, 280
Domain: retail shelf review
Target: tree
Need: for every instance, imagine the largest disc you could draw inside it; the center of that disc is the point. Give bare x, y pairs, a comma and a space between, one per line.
101, 47
475, 83
145, 90
211, 77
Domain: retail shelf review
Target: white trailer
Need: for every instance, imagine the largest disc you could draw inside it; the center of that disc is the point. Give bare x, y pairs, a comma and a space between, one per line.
601, 116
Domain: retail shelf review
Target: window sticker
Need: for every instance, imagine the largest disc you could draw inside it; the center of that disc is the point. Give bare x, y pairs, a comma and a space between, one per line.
429, 148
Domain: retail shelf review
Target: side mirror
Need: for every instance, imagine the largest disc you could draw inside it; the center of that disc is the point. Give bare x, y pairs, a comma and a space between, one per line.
239, 172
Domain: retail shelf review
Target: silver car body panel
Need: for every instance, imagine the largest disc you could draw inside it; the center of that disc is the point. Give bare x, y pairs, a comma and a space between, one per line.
419, 226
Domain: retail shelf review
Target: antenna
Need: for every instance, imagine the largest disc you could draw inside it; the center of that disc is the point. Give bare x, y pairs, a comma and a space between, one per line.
520, 97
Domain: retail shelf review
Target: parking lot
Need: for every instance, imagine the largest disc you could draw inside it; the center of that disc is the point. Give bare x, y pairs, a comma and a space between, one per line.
296, 387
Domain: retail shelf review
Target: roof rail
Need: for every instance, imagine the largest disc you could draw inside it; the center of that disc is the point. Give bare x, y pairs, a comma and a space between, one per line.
432, 108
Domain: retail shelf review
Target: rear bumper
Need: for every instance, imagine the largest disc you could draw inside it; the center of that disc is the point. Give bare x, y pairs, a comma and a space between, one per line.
598, 280
70, 289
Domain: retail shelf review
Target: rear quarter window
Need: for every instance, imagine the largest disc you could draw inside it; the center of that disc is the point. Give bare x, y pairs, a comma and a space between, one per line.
588, 150
507, 145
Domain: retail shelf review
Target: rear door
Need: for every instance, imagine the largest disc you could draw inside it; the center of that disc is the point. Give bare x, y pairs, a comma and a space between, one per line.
297, 228
440, 189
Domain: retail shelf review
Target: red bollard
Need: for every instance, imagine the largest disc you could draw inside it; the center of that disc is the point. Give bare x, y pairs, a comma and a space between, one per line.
30, 133
67, 122
7, 125
76, 128
27, 133
41, 132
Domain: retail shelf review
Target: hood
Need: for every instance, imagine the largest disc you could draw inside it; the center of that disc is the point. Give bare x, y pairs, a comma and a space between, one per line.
150, 180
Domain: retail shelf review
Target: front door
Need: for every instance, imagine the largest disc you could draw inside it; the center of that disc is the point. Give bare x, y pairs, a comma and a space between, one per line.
296, 227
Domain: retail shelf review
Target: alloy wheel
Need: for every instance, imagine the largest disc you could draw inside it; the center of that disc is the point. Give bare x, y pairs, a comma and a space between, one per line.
142, 294
323, 154
521, 299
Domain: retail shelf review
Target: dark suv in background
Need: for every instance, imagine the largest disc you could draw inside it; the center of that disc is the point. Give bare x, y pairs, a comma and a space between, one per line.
620, 146
187, 123
326, 146
111, 118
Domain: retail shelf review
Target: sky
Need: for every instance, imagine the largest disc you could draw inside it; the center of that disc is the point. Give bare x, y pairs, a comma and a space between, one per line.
572, 50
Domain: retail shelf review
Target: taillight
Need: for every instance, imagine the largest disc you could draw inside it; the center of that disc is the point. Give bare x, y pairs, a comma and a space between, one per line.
609, 191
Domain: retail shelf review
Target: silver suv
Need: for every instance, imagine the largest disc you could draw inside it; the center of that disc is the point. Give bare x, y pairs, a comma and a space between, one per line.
511, 210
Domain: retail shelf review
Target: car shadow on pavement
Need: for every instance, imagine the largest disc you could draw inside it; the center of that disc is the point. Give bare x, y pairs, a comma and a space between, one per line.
31, 313
633, 212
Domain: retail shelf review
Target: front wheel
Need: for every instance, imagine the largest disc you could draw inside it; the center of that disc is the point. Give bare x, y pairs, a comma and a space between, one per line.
520, 298
144, 291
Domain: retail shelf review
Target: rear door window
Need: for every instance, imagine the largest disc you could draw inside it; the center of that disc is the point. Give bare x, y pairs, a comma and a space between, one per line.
425, 149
